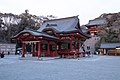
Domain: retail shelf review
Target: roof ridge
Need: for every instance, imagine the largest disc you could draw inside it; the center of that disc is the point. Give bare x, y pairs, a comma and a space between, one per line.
62, 18
32, 30
110, 43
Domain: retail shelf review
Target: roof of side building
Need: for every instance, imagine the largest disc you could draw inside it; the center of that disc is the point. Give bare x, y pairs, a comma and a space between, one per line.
109, 45
97, 22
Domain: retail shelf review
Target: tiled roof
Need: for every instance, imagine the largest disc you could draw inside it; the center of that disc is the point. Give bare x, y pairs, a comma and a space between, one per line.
36, 33
109, 45
61, 25
97, 22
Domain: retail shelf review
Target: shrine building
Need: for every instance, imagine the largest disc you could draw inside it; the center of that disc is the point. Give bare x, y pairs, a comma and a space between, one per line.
95, 25
59, 37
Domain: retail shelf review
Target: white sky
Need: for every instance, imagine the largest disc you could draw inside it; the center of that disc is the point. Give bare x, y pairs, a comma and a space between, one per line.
86, 9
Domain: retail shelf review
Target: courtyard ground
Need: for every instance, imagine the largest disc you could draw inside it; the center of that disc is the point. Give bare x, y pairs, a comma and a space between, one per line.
88, 68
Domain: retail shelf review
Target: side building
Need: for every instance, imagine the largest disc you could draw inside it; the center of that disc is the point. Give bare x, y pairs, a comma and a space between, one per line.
7, 48
110, 49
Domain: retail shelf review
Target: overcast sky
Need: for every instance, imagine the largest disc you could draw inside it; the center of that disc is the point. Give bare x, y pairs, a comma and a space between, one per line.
86, 9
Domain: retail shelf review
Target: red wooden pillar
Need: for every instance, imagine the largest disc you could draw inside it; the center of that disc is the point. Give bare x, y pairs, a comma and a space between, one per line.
33, 48
75, 45
71, 44
78, 45
48, 48
55, 49
23, 49
39, 49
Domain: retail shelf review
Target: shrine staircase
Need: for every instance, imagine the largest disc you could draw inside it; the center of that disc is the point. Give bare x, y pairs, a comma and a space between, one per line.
90, 43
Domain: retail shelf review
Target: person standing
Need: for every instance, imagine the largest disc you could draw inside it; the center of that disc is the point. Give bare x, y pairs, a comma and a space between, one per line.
2, 54
8, 53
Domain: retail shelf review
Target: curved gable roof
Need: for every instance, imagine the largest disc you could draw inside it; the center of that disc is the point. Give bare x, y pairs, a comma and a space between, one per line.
61, 25
35, 33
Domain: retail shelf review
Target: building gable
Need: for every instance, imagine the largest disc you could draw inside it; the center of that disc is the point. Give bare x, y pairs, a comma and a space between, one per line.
61, 25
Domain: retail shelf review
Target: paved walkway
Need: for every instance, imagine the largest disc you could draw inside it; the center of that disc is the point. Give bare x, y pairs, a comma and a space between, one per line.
88, 68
